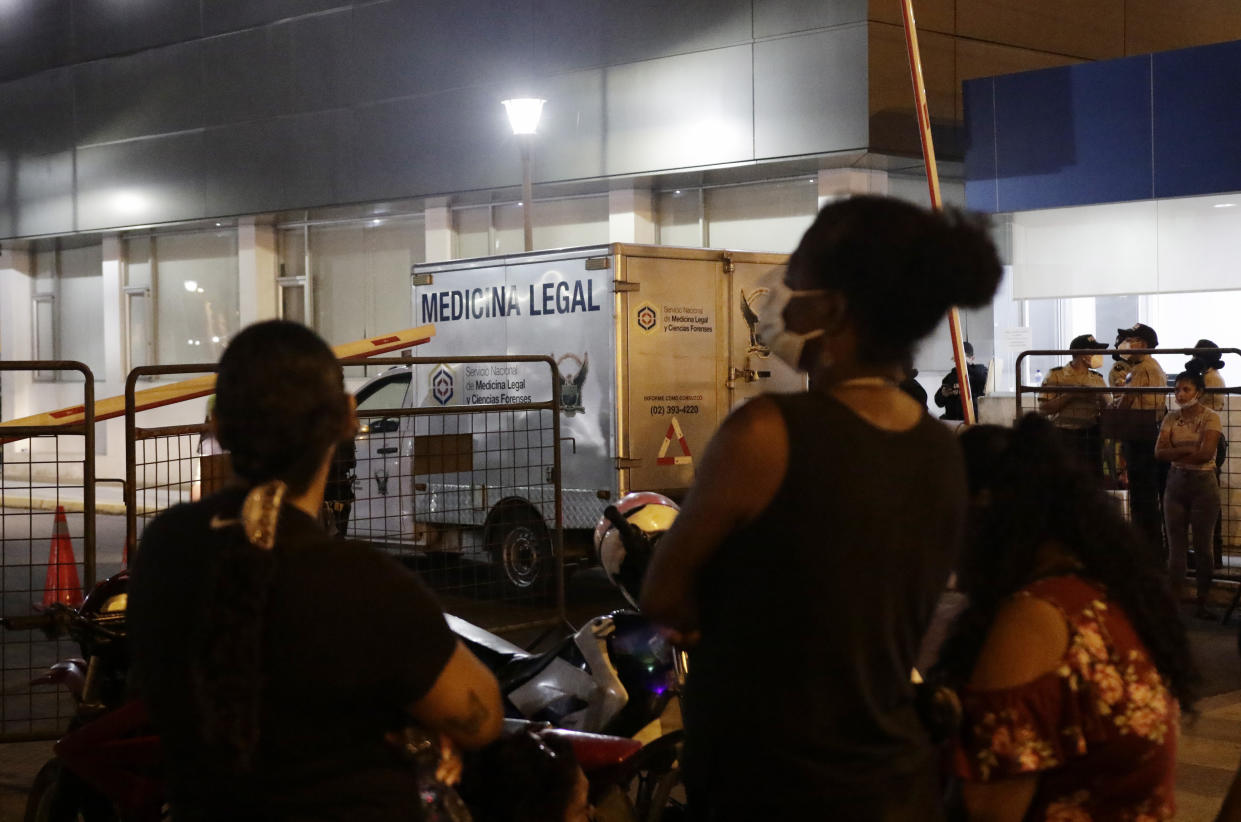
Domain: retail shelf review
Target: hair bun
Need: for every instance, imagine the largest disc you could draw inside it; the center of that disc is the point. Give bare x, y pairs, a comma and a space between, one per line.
967, 268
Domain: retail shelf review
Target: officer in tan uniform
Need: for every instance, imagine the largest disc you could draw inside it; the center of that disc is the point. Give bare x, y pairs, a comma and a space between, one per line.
1147, 412
1208, 362
1121, 367
1077, 414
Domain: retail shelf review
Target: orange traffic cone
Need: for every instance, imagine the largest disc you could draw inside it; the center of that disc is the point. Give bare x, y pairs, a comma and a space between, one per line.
62, 568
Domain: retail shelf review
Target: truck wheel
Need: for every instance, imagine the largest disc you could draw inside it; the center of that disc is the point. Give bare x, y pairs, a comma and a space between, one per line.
522, 551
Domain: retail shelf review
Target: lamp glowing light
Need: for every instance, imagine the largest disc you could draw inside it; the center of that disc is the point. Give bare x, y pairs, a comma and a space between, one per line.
191, 286
524, 113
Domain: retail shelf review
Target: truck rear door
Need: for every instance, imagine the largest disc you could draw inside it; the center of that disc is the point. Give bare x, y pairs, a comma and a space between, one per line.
753, 369
676, 358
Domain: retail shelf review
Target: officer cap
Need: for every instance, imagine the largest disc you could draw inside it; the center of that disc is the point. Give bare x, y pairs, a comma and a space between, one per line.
1086, 341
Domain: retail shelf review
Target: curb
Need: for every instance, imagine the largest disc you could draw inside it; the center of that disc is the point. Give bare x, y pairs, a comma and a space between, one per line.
71, 506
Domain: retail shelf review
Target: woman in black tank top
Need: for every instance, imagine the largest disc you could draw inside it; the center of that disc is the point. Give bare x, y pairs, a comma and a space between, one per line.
805, 564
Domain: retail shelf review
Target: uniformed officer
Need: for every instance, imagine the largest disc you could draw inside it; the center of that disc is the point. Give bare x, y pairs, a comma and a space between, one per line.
1121, 367
1139, 444
1076, 414
1207, 361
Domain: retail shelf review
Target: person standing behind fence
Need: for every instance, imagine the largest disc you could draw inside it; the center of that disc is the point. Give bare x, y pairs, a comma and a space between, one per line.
1187, 439
1208, 361
1148, 408
821, 528
948, 395
1120, 366
1075, 414
279, 665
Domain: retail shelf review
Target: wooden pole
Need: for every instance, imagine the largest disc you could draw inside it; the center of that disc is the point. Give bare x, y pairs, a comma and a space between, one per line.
201, 386
932, 180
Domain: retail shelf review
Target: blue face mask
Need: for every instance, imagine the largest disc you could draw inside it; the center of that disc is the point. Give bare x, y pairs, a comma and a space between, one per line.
785, 344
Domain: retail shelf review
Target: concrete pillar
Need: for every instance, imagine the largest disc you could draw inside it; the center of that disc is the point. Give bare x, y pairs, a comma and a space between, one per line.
631, 216
16, 330
441, 237
114, 336
835, 183
257, 268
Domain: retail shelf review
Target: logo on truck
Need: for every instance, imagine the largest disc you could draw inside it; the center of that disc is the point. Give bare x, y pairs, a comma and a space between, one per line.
571, 382
749, 312
647, 318
443, 384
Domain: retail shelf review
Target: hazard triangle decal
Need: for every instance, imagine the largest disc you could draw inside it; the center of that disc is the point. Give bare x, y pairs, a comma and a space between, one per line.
674, 433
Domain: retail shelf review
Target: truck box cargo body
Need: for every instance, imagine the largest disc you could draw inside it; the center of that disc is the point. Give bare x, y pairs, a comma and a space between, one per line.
654, 346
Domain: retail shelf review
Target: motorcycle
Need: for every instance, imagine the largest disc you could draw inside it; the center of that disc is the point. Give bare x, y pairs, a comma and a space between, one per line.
615, 675
106, 765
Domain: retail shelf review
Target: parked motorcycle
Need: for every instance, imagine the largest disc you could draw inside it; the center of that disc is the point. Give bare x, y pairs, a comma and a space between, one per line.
617, 674
106, 766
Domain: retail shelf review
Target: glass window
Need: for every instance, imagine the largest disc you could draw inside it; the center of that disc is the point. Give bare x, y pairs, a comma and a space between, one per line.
388, 392
141, 334
293, 302
761, 217
473, 230
680, 217
565, 223
360, 276
79, 298
196, 294
68, 291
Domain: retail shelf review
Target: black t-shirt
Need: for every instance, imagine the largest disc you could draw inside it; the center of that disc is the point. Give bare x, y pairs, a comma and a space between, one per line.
948, 395
812, 615
352, 638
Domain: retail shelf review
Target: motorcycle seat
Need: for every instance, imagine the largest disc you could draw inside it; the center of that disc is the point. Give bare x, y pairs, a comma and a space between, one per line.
512, 665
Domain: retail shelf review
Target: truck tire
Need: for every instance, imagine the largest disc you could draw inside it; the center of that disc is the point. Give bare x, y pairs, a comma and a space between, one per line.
521, 549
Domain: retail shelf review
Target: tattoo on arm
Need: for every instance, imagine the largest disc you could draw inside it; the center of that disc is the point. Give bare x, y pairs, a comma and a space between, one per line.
472, 720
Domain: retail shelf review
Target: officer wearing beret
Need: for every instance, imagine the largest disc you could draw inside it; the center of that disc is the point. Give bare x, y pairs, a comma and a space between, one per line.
1076, 414
1139, 444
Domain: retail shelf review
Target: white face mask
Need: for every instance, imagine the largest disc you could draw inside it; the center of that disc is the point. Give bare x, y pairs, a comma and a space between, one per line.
1096, 361
785, 344
1188, 403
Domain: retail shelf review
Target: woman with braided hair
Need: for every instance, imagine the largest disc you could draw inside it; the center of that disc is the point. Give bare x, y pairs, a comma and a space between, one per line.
276, 662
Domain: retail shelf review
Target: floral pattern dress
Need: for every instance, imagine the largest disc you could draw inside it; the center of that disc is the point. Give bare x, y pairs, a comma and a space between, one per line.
1100, 730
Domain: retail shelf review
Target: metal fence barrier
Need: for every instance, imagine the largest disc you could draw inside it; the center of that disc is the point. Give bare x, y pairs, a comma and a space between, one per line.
47, 542
469, 496
1119, 438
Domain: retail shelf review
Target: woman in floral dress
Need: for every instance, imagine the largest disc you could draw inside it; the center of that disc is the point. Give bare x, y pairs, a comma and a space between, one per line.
1070, 658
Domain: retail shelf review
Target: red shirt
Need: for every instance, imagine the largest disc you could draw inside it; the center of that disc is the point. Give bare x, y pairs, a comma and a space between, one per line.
1101, 729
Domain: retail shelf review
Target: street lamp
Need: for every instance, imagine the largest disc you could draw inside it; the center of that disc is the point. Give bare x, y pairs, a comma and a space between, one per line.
523, 115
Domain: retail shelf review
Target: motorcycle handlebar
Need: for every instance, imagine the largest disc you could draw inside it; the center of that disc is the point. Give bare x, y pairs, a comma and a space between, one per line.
34, 622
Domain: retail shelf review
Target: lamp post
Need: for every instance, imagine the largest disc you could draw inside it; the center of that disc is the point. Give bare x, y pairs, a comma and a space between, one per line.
523, 116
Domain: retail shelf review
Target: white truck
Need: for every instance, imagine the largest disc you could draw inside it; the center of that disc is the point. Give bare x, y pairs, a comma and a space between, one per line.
654, 346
